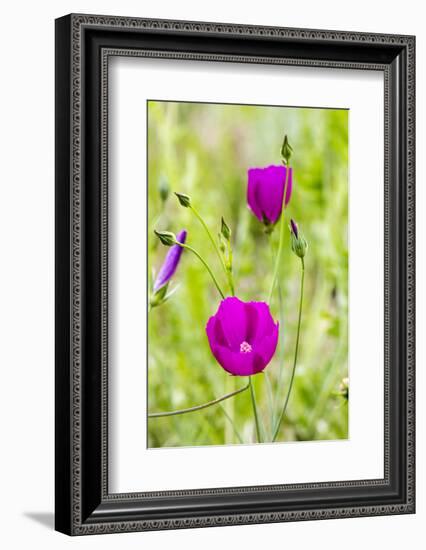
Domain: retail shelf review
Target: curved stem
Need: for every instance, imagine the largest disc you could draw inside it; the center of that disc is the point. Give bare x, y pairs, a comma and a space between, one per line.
205, 265
281, 241
199, 407
203, 223
277, 428
256, 417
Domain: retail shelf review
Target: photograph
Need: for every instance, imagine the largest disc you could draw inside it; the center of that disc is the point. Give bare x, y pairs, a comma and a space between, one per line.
247, 255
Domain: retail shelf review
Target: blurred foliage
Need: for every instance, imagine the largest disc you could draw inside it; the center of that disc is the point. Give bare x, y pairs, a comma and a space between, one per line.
204, 150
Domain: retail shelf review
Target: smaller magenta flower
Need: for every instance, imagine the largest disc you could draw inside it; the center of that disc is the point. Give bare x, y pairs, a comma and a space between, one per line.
265, 191
170, 263
243, 336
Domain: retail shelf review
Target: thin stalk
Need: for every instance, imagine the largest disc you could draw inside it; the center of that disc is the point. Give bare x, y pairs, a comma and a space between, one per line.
199, 407
281, 241
282, 357
256, 417
215, 246
229, 271
277, 428
205, 265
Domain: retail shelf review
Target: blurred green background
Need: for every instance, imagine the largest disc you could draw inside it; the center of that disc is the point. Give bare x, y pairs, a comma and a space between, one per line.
204, 150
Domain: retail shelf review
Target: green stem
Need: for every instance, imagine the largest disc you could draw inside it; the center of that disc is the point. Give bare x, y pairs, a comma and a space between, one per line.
229, 271
277, 428
205, 265
256, 417
199, 407
282, 353
203, 223
281, 241
281, 358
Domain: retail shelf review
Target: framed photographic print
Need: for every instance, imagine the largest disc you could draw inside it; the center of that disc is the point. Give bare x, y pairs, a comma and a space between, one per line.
234, 274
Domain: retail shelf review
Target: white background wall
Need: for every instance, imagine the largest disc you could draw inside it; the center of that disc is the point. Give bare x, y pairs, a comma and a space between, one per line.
27, 261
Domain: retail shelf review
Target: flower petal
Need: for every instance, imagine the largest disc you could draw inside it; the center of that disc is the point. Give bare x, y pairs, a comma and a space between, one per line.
239, 364
289, 186
269, 191
264, 324
233, 319
267, 347
252, 200
215, 333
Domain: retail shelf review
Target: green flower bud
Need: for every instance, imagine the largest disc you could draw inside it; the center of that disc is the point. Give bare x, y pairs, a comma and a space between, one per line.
163, 188
226, 231
184, 200
286, 151
166, 237
299, 244
157, 297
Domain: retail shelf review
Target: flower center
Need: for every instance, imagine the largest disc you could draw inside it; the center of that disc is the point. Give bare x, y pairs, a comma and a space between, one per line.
245, 347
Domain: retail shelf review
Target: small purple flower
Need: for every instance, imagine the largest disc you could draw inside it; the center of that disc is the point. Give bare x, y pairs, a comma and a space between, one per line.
265, 191
243, 336
170, 263
294, 228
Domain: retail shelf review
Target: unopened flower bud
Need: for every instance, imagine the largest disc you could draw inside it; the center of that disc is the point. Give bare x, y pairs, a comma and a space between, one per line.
166, 237
286, 151
157, 296
184, 200
299, 244
226, 231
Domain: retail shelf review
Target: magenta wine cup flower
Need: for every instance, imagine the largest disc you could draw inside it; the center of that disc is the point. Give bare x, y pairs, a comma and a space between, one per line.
243, 336
170, 263
265, 190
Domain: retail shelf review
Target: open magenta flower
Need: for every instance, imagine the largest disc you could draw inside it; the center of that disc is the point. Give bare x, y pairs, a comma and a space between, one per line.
265, 191
170, 263
243, 336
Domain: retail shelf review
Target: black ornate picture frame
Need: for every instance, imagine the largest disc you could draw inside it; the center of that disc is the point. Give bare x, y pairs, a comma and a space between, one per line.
84, 43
